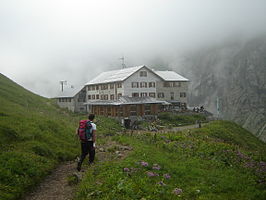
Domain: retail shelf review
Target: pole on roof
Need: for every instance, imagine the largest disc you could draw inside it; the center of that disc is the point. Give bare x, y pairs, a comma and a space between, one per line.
123, 62
62, 84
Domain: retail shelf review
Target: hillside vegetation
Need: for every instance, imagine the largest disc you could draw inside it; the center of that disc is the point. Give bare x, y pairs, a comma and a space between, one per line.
35, 136
219, 161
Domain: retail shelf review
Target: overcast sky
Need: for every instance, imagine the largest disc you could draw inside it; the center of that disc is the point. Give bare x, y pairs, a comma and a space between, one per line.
45, 41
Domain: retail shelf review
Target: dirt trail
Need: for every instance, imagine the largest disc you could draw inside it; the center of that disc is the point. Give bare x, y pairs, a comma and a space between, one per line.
56, 186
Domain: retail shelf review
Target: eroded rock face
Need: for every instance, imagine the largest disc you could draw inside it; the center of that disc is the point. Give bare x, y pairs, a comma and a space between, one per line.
236, 75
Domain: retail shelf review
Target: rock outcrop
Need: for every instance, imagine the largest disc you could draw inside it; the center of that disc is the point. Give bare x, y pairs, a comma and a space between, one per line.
234, 75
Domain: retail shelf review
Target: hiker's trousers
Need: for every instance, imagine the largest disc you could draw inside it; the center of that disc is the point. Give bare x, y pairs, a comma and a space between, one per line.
87, 148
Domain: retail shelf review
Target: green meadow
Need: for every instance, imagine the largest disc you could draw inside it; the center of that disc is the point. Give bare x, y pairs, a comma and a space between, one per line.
221, 160
35, 137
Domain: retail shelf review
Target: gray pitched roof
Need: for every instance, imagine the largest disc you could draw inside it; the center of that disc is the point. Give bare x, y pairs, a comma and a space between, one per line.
170, 76
123, 74
69, 92
114, 75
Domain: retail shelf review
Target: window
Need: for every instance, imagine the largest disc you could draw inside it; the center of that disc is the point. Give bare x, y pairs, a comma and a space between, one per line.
143, 94
102, 96
135, 94
134, 84
89, 96
105, 97
97, 96
147, 109
160, 95
151, 84
183, 94
172, 95
111, 86
119, 85
133, 110
104, 87
143, 73
97, 87
152, 94
89, 88
177, 84
143, 84
112, 97
119, 95
119, 111
93, 87
167, 84
93, 96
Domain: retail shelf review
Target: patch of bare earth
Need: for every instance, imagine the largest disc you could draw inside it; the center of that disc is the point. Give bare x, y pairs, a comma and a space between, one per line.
56, 186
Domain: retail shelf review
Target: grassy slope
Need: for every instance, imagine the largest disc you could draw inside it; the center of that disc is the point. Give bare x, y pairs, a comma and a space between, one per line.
219, 161
35, 136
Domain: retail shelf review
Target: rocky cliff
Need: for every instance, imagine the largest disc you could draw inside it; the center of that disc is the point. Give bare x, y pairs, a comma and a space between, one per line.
232, 78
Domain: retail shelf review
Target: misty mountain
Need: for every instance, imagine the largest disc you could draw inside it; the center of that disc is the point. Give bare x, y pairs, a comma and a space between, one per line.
235, 74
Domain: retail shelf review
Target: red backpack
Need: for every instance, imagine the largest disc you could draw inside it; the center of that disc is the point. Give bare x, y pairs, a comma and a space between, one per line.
85, 130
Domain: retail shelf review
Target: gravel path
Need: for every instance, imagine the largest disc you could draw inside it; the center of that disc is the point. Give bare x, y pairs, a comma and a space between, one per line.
56, 187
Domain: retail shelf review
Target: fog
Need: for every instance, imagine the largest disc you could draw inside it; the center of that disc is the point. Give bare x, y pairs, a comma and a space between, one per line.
43, 42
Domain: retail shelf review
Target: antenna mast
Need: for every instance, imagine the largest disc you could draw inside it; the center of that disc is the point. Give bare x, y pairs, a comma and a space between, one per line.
123, 62
62, 84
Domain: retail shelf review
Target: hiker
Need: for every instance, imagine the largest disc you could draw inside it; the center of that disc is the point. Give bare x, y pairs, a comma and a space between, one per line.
87, 136
199, 123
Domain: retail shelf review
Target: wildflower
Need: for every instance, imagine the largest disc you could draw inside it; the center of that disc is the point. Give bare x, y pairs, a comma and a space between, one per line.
161, 183
250, 164
177, 191
144, 164
166, 176
242, 156
156, 167
126, 169
151, 174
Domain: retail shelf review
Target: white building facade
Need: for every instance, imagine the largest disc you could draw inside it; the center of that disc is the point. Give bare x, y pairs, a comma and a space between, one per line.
139, 81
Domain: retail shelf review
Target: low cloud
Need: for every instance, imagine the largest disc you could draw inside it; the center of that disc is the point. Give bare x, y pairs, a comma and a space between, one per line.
43, 42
